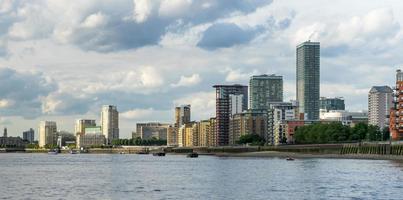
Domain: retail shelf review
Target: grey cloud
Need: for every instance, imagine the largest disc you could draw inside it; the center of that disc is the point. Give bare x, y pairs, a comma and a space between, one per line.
23, 91
224, 35
121, 32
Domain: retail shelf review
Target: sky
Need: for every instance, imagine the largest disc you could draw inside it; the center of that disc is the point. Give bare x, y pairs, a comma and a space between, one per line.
61, 60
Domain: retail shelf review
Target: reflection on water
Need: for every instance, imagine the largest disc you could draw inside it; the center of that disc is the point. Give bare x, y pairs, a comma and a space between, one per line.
42, 176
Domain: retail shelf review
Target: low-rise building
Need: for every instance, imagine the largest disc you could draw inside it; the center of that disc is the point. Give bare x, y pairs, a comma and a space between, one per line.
152, 130
279, 113
291, 126
92, 137
188, 135
12, 142
252, 121
345, 117
204, 133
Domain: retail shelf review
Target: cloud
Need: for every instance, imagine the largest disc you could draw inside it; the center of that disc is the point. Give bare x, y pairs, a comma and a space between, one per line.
21, 92
148, 114
236, 75
95, 20
188, 81
224, 35
202, 104
374, 31
106, 26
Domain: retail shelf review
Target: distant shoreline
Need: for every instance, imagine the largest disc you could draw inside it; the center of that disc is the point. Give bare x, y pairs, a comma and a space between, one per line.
259, 154
278, 154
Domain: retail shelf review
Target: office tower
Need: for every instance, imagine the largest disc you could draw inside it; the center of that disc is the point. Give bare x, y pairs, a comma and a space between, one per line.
47, 133
110, 123
5, 132
29, 135
327, 104
308, 79
223, 109
396, 112
265, 89
380, 101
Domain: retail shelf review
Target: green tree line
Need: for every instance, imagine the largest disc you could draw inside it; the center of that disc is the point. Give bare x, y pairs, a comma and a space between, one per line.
139, 142
336, 133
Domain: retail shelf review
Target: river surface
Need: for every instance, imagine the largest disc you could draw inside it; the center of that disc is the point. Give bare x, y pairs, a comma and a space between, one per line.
114, 176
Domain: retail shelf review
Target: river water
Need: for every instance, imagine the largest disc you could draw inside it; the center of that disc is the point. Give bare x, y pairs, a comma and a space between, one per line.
114, 176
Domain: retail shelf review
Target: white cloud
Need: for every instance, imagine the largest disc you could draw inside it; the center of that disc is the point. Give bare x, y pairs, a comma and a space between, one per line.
174, 8
237, 75
95, 20
4, 103
143, 9
188, 81
145, 114
6, 6
202, 104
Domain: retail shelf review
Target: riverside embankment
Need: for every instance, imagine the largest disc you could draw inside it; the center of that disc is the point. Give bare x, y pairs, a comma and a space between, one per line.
347, 150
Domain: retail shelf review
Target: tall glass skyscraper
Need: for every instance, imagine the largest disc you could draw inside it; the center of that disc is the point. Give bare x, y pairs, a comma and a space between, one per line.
265, 89
308, 79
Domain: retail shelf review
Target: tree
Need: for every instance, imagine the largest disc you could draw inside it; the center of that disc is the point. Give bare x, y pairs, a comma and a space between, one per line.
253, 139
385, 133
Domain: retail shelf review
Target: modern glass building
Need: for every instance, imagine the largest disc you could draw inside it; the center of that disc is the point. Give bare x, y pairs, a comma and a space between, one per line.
336, 103
265, 89
308, 79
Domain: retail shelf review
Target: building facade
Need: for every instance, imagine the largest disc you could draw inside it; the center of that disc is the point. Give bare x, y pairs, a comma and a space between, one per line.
29, 135
279, 114
182, 116
265, 89
47, 133
396, 112
223, 109
204, 133
110, 123
188, 135
380, 101
308, 79
81, 124
92, 137
328, 104
150, 130
251, 121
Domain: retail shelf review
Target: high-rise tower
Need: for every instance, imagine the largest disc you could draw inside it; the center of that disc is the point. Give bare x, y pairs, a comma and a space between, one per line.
265, 89
226, 95
110, 123
308, 79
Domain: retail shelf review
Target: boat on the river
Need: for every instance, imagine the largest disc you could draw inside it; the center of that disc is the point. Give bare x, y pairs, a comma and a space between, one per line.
290, 159
53, 151
73, 151
193, 155
159, 154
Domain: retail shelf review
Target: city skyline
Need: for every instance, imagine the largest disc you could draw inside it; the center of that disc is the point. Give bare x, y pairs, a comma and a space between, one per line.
71, 79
